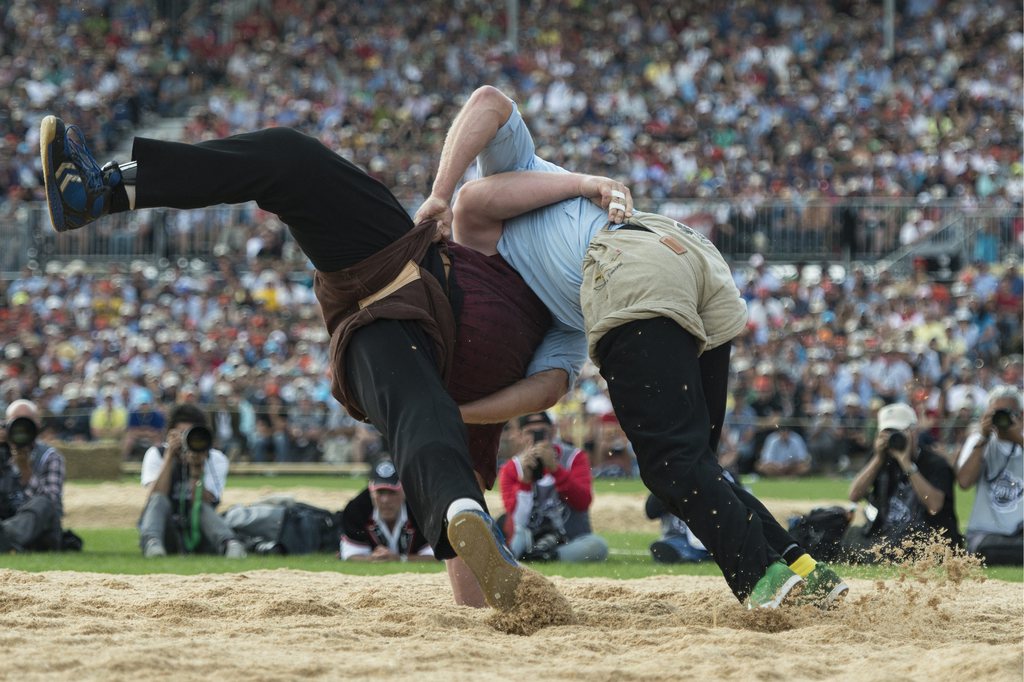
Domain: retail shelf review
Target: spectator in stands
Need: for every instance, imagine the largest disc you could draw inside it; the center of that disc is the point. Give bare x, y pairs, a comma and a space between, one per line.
146, 426
271, 435
767, 405
890, 374
377, 524
226, 419
825, 438
72, 424
31, 483
607, 435
108, 420
909, 485
992, 460
547, 491
784, 454
347, 439
736, 446
765, 313
307, 423
856, 438
184, 480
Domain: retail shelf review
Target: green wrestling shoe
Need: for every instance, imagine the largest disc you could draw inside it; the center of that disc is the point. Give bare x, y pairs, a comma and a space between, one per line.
778, 586
823, 588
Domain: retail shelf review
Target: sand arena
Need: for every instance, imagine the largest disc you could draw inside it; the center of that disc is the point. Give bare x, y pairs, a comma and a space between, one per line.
288, 625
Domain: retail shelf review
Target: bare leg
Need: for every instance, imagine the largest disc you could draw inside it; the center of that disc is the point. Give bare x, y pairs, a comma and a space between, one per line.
465, 588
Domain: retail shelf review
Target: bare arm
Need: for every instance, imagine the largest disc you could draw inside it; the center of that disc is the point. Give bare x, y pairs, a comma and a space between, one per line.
171, 459
931, 497
862, 483
477, 122
533, 394
969, 472
162, 484
481, 215
506, 195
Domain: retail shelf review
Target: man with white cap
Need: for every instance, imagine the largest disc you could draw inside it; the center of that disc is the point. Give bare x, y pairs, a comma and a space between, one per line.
909, 486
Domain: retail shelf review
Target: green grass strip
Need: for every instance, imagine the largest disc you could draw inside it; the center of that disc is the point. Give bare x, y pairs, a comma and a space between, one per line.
116, 550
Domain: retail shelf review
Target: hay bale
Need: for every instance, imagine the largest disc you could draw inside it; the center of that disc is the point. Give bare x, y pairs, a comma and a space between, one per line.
100, 460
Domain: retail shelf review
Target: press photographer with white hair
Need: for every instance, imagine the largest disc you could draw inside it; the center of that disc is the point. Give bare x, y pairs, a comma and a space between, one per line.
31, 483
909, 490
992, 459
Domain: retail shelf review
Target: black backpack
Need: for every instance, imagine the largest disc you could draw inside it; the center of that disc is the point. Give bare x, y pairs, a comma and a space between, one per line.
821, 531
307, 529
272, 527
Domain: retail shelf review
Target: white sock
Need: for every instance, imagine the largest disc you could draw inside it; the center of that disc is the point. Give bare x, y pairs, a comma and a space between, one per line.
462, 504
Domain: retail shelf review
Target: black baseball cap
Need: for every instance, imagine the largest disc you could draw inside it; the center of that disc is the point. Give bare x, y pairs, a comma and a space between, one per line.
385, 477
534, 418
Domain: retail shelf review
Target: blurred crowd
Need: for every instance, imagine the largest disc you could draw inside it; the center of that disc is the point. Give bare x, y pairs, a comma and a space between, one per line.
743, 101
99, 351
820, 356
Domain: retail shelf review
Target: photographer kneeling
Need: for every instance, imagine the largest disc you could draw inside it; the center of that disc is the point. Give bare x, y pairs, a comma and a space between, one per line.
909, 486
186, 478
31, 484
547, 490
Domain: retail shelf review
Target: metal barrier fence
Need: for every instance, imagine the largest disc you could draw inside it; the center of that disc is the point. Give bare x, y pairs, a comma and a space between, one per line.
853, 230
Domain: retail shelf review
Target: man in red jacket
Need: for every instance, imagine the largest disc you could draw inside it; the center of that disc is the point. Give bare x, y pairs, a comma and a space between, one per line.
547, 492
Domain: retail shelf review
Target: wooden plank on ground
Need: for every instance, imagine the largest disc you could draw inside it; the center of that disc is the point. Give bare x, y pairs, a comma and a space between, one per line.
278, 469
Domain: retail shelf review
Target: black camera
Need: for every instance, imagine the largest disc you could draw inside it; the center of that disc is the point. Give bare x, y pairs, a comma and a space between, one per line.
21, 431
538, 468
198, 438
897, 441
1002, 419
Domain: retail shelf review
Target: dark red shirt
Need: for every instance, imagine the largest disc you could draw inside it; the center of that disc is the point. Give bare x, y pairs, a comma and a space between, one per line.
500, 324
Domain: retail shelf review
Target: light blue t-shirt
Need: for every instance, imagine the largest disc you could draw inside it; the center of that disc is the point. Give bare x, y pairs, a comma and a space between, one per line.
562, 348
546, 246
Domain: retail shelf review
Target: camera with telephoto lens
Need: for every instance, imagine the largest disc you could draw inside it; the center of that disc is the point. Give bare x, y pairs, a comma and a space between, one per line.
198, 439
1002, 419
897, 441
21, 431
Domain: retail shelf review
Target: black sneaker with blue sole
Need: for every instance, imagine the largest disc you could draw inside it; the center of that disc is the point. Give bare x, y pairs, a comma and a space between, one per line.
77, 189
479, 542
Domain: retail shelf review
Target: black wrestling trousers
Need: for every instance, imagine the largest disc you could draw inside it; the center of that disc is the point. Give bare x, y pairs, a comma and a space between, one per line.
394, 377
337, 213
654, 377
